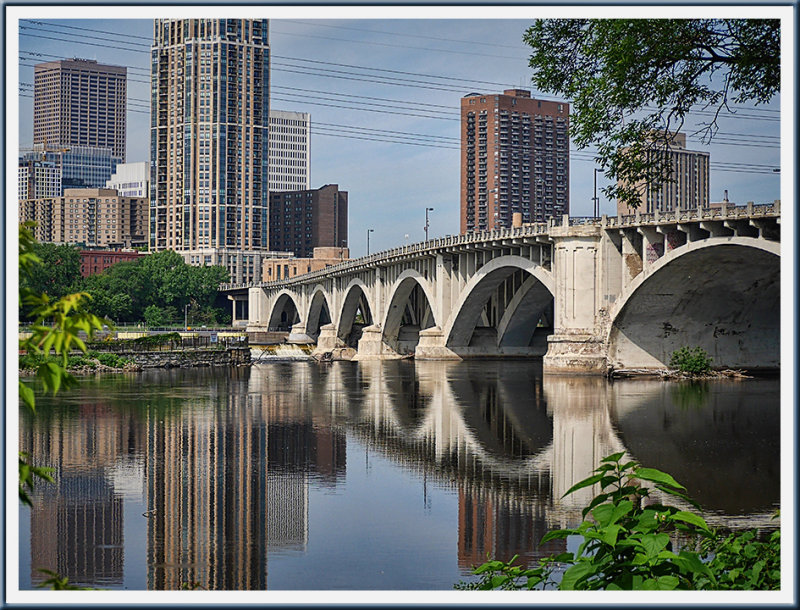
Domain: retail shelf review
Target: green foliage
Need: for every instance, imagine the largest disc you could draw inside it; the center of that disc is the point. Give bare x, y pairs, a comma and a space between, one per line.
155, 288
694, 361
628, 544
158, 340
743, 562
113, 360
28, 475
57, 271
631, 83
155, 316
56, 582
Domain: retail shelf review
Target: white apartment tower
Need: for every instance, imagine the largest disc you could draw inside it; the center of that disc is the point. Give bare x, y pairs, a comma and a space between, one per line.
208, 145
289, 151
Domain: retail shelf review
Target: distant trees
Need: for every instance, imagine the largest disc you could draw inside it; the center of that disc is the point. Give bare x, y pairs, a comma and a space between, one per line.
57, 274
153, 289
156, 289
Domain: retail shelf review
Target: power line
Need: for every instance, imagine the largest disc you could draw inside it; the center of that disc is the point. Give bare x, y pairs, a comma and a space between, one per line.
74, 27
576, 156
423, 116
450, 78
342, 27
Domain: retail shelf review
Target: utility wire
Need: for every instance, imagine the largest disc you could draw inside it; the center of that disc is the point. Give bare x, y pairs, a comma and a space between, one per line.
702, 112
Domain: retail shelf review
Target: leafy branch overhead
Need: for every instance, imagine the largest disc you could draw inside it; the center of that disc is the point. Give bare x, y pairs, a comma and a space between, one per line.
632, 83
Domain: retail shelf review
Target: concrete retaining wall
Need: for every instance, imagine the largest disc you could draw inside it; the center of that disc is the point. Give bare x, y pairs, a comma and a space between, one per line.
232, 356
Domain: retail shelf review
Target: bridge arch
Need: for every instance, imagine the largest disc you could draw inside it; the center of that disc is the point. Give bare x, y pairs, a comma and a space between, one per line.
528, 296
319, 311
285, 312
355, 312
410, 310
721, 294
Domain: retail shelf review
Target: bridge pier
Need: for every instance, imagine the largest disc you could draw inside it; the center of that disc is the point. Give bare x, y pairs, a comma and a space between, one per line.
328, 339
372, 347
432, 346
576, 345
299, 336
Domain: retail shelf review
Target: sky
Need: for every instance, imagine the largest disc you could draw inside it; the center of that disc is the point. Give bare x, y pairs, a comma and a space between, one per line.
397, 152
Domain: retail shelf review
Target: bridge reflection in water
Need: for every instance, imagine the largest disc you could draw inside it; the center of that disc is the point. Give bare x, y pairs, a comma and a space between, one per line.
224, 461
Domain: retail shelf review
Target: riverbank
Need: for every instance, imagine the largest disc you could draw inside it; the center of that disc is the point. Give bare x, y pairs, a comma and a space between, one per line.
132, 361
674, 374
92, 366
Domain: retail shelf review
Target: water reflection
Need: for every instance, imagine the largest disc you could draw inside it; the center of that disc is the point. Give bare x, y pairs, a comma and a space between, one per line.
224, 463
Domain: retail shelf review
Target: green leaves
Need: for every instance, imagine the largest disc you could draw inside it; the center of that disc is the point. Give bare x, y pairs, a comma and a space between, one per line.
28, 475
632, 82
694, 361
56, 582
628, 546
656, 476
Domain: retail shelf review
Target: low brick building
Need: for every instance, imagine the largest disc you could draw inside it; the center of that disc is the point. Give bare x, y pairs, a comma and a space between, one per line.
282, 268
97, 261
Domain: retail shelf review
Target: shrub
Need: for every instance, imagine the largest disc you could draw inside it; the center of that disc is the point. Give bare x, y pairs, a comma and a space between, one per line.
627, 545
76, 362
113, 360
695, 361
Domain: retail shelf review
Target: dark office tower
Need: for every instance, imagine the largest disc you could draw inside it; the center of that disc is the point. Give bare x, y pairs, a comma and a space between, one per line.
78, 102
303, 220
514, 158
208, 139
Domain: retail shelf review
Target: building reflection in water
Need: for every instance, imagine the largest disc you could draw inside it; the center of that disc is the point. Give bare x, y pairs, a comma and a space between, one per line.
228, 483
224, 461
76, 524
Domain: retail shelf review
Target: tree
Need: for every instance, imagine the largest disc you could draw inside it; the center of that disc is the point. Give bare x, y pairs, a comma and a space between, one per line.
161, 281
57, 274
632, 83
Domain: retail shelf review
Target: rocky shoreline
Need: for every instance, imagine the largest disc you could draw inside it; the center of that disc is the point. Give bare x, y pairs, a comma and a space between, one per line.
89, 370
676, 375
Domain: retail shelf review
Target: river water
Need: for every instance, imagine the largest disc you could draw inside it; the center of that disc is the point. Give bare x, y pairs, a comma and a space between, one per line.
385, 475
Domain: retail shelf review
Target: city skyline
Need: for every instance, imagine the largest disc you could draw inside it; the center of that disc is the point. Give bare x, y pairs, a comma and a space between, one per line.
391, 184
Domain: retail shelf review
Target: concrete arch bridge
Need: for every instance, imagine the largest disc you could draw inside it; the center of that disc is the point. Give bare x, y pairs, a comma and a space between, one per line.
585, 294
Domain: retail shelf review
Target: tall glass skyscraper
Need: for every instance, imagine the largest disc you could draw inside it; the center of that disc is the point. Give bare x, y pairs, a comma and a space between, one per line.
208, 137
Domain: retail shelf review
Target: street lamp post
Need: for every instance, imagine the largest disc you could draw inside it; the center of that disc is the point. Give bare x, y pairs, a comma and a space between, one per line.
596, 199
368, 232
427, 223
186, 317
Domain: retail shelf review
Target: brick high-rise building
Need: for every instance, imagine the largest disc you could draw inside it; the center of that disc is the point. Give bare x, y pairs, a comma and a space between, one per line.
289, 151
208, 145
303, 220
79, 102
514, 158
687, 186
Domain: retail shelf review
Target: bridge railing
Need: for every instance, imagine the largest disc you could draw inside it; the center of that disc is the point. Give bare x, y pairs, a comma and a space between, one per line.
709, 213
528, 230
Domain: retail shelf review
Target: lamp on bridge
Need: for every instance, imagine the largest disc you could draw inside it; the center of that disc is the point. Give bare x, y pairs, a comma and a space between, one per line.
427, 223
596, 199
368, 232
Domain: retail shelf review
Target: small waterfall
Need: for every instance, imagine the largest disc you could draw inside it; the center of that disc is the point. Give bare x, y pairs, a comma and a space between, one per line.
284, 351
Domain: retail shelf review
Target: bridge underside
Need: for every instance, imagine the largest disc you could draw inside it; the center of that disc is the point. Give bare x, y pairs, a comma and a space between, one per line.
724, 299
